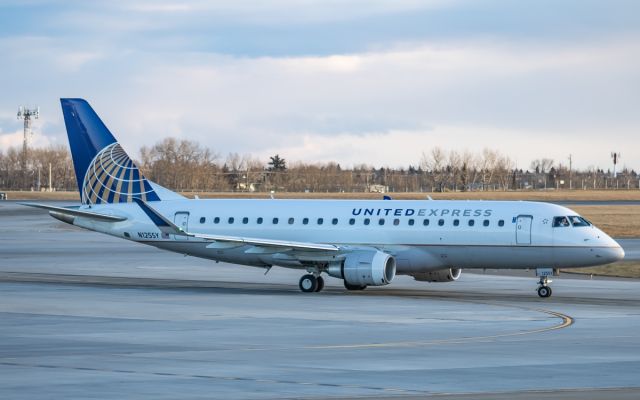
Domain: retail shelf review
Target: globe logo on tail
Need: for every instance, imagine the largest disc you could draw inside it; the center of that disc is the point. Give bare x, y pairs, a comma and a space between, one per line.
112, 177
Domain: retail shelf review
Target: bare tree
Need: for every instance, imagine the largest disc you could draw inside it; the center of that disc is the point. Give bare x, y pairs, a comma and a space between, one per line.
435, 163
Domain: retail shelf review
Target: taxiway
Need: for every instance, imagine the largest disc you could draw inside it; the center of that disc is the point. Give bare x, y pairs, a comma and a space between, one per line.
86, 315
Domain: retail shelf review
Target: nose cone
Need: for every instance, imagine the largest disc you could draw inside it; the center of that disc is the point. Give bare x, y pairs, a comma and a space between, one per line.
613, 254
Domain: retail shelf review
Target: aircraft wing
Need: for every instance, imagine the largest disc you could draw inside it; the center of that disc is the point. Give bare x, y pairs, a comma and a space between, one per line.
74, 212
166, 226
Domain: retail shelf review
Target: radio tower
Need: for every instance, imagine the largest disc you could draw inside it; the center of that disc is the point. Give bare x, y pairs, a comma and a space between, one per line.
26, 114
616, 157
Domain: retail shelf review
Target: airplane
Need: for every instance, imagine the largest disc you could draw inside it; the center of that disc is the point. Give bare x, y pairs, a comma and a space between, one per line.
362, 242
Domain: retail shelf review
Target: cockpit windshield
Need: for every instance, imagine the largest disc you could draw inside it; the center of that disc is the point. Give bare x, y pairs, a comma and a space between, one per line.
578, 221
573, 220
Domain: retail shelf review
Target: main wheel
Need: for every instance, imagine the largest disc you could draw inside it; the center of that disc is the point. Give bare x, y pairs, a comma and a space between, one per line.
349, 286
544, 291
308, 283
320, 281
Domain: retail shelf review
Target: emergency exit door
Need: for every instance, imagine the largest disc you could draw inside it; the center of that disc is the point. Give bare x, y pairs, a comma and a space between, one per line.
181, 219
523, 229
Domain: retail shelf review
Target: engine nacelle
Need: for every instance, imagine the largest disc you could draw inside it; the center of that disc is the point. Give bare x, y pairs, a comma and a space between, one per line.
442, 275
365, 268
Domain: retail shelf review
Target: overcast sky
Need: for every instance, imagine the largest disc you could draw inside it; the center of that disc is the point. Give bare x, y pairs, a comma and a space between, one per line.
352, 81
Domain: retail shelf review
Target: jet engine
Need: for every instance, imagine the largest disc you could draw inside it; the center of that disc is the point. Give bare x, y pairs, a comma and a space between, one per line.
441, 275
365, 268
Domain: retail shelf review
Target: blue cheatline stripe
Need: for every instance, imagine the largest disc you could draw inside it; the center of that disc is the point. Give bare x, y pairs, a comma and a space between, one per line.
150, 213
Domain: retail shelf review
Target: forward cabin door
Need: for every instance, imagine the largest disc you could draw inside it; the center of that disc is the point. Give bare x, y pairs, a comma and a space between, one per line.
181, 219
523, 229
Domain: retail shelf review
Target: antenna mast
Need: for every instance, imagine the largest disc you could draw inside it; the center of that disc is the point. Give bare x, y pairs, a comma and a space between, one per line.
616, 157
26, 114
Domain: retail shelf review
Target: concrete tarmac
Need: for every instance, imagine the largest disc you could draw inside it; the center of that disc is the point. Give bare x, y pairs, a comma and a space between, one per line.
84, 315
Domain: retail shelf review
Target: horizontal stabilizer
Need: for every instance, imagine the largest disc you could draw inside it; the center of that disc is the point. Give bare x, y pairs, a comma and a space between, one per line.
78, 213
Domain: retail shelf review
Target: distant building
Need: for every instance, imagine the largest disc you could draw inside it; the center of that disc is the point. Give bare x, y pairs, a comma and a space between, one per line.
377, 189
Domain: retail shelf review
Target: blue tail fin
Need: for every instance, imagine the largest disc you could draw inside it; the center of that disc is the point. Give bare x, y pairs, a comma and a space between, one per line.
104, 172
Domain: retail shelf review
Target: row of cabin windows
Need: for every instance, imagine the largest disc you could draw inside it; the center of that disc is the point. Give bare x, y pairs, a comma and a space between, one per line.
352, 221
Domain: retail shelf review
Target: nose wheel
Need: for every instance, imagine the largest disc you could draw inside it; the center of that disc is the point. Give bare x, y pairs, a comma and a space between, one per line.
310, 283
544, 290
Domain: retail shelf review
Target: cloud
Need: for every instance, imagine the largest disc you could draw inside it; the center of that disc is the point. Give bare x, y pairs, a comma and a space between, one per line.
290, 11
15, 139
387, 99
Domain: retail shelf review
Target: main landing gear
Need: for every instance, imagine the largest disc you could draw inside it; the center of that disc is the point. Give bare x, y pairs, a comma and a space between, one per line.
311, 283
544, 290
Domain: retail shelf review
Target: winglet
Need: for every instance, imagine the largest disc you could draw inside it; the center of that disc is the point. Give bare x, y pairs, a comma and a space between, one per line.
165, 225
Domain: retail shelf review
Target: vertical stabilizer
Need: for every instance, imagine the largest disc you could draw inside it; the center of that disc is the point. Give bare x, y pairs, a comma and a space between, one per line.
104, 171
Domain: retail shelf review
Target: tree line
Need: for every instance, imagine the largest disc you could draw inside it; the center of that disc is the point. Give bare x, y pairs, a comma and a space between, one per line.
185, 165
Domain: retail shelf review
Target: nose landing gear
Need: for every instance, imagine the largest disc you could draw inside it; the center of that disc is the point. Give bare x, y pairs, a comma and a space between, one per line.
544, 290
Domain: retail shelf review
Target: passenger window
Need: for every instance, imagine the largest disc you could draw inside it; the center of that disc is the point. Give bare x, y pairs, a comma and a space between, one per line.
501, 222
381, 221
216, 220
396, 222
334, 221
291, 220
472, 222
425, 222
259, 220
578, 221
441, 222
202, 219
485, 222
456, 222
411, 222
560, 222
231, 220
320, 221
245, 220
352, 221
275, 221
305, 221
367, 221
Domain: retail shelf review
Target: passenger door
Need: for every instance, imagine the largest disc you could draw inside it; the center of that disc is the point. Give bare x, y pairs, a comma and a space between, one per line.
181, 219
523, 229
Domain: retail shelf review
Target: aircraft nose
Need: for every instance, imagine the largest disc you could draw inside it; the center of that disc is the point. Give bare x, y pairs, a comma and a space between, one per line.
613, 254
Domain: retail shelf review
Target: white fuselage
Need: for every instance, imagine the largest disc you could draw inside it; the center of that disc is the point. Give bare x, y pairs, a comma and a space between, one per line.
422, 235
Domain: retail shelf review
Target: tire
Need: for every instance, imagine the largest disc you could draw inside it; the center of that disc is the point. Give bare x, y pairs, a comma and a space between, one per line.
308, 283
544, 291
320, 285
